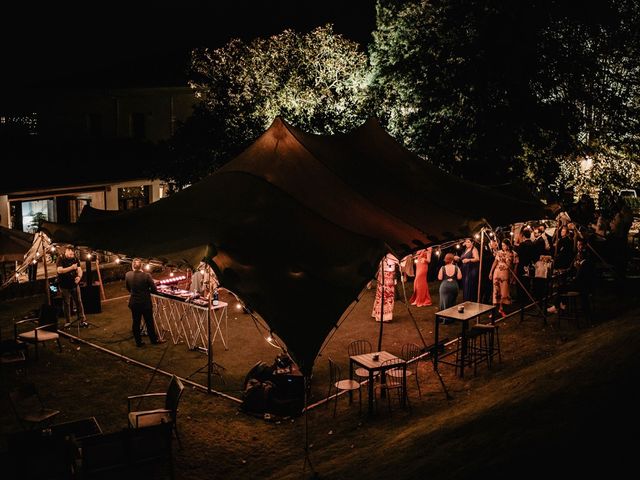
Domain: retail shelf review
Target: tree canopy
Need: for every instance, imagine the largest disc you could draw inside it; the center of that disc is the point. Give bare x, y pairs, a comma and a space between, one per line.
316, 80
494, 90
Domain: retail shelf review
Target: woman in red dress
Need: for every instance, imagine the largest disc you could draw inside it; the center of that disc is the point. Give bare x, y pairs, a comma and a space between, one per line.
421, 296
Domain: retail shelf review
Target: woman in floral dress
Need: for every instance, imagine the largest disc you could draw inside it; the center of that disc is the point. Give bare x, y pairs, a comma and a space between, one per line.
501, 275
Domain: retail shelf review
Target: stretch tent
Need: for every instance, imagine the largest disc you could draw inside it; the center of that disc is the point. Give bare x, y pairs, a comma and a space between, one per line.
297, 223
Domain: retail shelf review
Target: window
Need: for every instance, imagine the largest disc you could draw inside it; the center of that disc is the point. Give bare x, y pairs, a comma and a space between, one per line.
35, 212
130, 198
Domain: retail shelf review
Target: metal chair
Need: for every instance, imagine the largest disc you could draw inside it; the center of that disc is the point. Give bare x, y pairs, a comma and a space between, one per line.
29, 408
409, 352
45, 328
359, 347
393, 381
340, 385
168, 414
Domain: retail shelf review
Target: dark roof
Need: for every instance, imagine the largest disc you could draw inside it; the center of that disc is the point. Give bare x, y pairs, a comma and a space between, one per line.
42, 164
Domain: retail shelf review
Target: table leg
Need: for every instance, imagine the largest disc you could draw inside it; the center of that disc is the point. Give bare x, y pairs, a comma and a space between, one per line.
436, 332
370, 392
404, 384
350, 378
463, 348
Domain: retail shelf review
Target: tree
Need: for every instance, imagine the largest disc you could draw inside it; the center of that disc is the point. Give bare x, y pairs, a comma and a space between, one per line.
493, 90
317, 81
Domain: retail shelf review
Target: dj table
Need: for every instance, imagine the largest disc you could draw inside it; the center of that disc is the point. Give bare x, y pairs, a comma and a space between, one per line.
185, 315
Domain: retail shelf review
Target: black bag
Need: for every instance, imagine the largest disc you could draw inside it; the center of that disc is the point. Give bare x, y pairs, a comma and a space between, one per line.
257, 397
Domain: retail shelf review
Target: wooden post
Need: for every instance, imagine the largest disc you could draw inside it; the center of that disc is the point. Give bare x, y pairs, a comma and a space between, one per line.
46, 274
104, 297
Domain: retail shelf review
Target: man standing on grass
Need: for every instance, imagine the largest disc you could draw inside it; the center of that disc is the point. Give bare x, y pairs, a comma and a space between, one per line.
69, 275
141, 286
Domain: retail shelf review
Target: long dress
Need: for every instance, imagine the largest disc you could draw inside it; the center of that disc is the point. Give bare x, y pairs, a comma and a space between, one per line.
469, 277
502, 277
448, 289
389, 263
421, 296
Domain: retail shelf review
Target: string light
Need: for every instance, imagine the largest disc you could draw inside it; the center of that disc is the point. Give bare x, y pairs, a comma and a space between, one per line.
238, 306
437, 253
457, 246
147, 266
476, 236
118, 260
271, 341
88, 256
173, 279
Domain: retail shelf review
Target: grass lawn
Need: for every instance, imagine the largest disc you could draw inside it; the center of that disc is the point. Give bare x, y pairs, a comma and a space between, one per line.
558, 402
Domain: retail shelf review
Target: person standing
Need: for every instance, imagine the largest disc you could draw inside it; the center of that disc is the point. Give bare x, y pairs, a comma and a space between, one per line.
449, 274
421, 296
386, 276
470, 259
501, 275
69, 276
527, 256
141, 286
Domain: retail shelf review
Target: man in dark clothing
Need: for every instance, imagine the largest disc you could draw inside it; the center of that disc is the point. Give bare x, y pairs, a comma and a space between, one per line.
542, 241
527, 255
141, 286
69, 275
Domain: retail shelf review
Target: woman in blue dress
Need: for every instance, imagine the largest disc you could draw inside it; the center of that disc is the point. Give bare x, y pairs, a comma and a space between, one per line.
470, 262
449, 274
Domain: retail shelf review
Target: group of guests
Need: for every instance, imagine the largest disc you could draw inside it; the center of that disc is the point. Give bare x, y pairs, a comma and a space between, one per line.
505, 263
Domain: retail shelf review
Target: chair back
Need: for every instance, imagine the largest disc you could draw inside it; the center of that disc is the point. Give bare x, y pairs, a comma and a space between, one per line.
104, 452
334, 372
393, 364
410, 351
48, 317
358, 347
23, 393
174, 392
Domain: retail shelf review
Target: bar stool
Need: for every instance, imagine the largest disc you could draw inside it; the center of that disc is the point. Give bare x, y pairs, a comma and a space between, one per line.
477, 350
571, 310
493, 332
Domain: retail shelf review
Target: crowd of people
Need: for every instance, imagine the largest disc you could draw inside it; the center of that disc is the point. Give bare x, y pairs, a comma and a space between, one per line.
516, 266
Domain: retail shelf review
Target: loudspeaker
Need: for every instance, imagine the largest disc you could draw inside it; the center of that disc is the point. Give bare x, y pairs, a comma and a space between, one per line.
91, 298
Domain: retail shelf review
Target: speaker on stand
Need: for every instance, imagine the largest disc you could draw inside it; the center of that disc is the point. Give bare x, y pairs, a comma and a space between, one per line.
91, 298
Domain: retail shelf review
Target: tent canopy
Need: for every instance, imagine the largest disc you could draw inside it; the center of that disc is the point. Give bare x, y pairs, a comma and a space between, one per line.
297, 223
14, 244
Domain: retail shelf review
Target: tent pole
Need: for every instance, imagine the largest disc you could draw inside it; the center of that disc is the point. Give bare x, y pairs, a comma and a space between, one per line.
209, 342
46, 274
307, 458
381, 275
104, 297
480, 266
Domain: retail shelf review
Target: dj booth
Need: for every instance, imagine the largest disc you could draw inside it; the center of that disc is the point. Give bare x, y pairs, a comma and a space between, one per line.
183, 316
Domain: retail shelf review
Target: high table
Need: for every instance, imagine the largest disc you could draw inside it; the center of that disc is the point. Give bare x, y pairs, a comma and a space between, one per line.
471, 310
367, 362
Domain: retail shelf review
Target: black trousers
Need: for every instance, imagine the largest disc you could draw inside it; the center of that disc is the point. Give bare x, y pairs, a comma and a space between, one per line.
137, 313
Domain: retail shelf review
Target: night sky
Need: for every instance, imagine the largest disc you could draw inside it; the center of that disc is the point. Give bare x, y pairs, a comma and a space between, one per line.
118, 45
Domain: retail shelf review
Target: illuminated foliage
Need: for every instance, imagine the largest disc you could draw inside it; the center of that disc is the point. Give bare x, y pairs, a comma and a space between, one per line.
315, 81
495, 90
